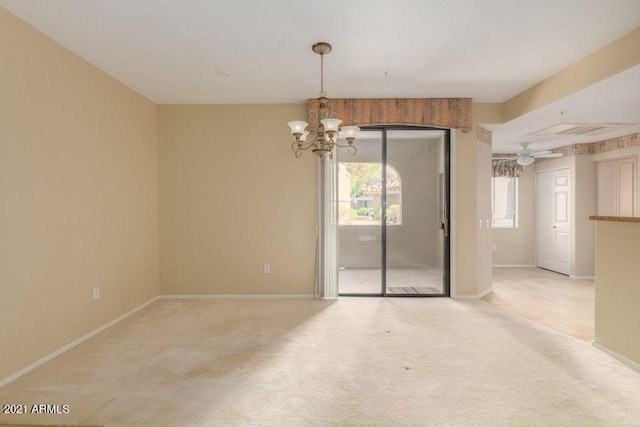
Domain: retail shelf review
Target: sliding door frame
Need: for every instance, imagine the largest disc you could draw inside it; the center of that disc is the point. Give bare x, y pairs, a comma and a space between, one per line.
446, 225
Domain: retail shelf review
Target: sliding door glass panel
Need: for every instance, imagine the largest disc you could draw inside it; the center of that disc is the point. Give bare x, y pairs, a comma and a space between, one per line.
360, 217
415, 212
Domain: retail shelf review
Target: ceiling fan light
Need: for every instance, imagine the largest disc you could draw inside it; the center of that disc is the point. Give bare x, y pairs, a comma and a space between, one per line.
525, 160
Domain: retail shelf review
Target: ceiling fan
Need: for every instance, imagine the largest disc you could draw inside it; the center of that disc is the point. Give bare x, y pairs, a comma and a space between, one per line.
527, 157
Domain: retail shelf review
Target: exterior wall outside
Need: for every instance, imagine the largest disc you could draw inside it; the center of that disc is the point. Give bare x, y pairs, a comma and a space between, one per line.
414, 241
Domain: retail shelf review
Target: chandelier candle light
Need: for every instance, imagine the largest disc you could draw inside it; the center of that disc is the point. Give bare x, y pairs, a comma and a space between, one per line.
325, 137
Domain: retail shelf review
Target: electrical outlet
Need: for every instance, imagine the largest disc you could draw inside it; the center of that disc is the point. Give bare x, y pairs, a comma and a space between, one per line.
266, 268
494, 246
96, 292
487, 223
480, 223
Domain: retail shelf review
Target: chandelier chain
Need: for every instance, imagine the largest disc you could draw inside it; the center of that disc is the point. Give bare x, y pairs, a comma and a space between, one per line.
322, 92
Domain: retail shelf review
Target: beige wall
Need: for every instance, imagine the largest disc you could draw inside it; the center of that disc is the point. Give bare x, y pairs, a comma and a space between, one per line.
463, 221
232, 197
586, 204
78, 183
617, 318
518, 246
210, 160
472, 203
483, 185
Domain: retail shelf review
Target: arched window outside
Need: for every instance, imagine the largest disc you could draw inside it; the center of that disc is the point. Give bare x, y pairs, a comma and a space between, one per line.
360, 194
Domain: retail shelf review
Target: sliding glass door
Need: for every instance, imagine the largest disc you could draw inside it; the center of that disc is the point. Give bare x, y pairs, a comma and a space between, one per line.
360, 217
393, 214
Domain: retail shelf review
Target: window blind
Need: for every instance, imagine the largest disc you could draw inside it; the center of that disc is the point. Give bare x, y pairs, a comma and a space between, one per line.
504, 202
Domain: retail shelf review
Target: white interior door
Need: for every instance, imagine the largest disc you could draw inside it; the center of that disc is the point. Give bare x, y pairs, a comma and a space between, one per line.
554, 220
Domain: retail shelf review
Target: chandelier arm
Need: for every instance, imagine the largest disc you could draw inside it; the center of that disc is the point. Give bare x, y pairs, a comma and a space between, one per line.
303, 147
342, 146
299, 149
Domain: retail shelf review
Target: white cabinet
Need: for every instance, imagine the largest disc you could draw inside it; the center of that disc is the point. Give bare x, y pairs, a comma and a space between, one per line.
617, 187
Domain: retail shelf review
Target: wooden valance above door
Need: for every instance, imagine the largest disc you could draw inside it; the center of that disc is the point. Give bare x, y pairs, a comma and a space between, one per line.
447, 113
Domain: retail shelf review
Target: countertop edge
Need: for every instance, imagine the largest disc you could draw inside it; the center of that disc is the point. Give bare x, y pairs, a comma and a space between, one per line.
615, 218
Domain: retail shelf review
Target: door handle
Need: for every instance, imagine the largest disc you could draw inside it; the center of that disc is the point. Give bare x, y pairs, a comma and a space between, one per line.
446, 227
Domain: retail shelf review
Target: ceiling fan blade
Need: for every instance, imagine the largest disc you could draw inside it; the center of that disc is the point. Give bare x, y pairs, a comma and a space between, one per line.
541, 152
549, 156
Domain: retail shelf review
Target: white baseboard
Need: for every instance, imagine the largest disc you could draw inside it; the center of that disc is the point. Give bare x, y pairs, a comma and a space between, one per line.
72, 344
485, 292
514, 266
616, 356
581, 277
480, 295
206, 296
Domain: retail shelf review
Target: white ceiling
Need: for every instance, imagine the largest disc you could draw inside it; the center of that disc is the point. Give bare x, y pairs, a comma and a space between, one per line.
489, 50
613, 100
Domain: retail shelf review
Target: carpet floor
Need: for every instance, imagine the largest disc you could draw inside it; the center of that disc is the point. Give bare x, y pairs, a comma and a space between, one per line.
353, 362
551, 299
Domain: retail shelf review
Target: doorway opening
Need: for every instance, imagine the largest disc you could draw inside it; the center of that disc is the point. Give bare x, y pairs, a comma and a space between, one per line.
393, 201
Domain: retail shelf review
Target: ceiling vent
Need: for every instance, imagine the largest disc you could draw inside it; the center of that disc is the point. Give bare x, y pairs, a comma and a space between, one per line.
580, 129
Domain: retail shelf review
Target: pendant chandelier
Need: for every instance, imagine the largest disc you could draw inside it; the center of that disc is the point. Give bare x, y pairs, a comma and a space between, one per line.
325, 137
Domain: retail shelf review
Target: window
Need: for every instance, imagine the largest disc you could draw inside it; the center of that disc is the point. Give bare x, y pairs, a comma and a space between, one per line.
360, 194
504, 202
